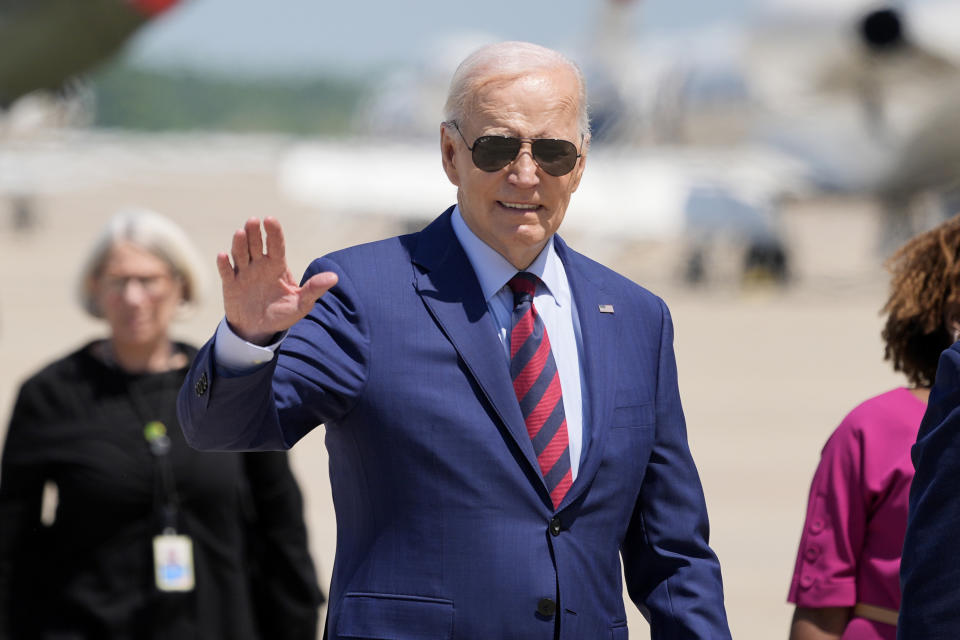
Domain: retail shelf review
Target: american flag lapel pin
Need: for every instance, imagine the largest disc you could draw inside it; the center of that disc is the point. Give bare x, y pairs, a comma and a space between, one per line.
606, 308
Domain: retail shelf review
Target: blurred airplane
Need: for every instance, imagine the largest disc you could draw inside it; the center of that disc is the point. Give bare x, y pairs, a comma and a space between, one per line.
862, 94
703, 134
46, 43
878, 114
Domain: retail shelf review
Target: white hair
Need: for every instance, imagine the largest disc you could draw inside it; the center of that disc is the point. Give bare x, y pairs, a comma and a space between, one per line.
509, 59
150, 231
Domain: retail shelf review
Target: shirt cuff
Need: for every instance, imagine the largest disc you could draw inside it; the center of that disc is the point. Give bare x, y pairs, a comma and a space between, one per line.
234, 355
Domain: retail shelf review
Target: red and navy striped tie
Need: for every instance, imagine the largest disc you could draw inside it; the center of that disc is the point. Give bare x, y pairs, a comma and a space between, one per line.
537, 385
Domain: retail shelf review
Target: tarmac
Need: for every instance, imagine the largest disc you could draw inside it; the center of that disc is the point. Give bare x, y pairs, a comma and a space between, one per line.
766, 372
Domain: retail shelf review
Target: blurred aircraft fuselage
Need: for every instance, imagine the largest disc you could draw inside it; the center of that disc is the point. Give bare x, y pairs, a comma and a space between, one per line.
45, 43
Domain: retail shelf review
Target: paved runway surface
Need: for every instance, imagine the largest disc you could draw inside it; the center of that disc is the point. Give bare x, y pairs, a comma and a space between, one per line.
765, 373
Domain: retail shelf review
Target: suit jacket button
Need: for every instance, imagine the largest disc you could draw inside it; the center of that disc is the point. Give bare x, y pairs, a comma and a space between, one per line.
202, 384
546, 607
555, 526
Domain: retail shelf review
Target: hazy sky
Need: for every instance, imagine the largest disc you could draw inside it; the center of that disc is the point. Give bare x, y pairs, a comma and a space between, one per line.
310, 35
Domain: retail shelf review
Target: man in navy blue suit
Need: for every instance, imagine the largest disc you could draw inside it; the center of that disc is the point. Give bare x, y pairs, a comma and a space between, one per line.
929, 571
502, 413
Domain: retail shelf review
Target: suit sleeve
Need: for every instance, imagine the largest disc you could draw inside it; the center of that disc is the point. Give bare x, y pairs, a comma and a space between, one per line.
285, 593
316, 377
672, 575
929, 569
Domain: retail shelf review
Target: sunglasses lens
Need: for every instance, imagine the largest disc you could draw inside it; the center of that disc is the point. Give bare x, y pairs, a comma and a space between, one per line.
556, 157
492, 153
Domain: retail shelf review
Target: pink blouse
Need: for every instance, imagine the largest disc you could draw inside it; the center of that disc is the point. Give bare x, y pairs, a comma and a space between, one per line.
857, 513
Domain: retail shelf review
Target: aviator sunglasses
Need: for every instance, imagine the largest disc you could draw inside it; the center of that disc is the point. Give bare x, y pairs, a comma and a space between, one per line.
492, 153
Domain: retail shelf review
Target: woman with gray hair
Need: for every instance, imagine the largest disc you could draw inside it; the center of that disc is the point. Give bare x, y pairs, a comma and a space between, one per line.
112, 527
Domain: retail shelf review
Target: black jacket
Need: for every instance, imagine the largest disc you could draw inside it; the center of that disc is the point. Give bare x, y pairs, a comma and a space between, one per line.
86, 571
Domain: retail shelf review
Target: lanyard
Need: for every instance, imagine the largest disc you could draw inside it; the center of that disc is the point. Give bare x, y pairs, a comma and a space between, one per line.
155, 433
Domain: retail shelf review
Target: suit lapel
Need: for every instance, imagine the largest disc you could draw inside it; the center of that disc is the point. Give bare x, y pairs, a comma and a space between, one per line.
449, 288
598, 333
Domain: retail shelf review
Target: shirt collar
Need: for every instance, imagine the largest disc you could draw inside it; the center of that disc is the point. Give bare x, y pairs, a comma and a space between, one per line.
494, 271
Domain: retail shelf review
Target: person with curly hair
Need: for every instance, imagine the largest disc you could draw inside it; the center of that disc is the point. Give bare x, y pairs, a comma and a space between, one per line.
846, 578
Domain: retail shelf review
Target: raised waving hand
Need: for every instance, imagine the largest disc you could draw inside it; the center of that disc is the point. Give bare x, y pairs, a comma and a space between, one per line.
260, 295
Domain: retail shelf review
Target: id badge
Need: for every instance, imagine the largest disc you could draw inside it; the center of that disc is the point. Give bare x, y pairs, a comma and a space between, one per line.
173, 562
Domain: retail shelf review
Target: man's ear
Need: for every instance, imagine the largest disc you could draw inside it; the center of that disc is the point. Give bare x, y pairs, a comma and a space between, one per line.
448, 154
580, 166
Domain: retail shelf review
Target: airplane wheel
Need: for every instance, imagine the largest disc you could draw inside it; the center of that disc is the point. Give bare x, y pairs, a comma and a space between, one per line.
765, 263
695, 270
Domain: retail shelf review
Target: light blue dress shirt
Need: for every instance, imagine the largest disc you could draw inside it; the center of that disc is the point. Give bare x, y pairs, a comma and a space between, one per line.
554, 304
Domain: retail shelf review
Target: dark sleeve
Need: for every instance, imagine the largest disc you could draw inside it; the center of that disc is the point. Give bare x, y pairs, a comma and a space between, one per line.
671, 572
285, 593
930, 569
21, 490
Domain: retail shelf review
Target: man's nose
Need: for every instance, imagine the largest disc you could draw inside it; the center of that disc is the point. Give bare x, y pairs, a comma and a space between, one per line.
523, 169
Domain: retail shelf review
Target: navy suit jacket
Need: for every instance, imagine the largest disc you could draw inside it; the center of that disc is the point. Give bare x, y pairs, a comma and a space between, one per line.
444, 526
930, 566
